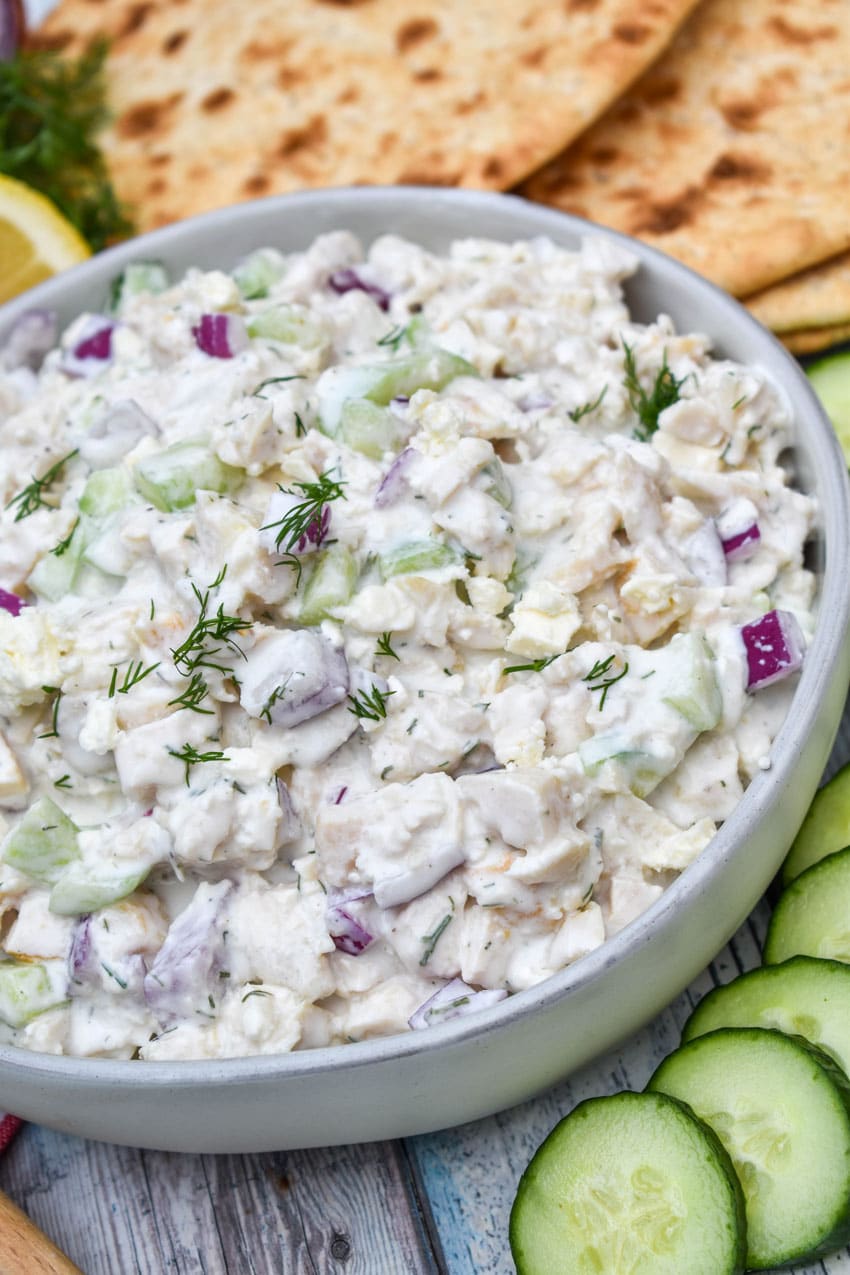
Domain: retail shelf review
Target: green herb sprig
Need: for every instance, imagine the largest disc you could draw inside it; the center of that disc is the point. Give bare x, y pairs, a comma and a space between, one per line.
533, 666
384, 647
135, 673
190, 757
32, 496
430, 940
371, 705
51, 111
603, 683
664, 393
578, 413
298, 521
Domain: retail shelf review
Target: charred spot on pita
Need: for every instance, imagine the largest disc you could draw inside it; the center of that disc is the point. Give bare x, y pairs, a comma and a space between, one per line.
665, 216
146, 117
175, 41
631, 32
298, 139
799, 35
730, 167
217, 99
137, 16
257, 184
427, 74
414, 32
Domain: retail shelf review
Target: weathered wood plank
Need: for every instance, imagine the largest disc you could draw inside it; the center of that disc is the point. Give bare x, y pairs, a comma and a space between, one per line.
113, 1209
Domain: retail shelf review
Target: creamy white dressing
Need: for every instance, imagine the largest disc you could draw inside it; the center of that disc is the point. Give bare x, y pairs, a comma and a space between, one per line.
468, 722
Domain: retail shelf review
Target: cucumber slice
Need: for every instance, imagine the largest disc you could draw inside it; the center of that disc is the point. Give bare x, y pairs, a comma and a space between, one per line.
171, 479
107, 491
26, 990
801, 997
135, 278
417, 555
427, 369
330, 585
79, 890
259, 272
369, 429
43, 843
56, 574
812, 917
633, 1185
641, 771
497, 484
825, 829
288, 325
830, 378
782, 1110
690, 681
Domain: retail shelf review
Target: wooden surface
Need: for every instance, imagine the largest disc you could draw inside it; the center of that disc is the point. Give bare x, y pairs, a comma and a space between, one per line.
435, 1204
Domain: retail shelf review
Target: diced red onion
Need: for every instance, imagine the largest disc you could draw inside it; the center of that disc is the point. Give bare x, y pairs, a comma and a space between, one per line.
338, 798
739, 530
30, 338
393, 484
78, 957
221, 336
11, 602
743, 545
348, 280
181, 975
348, 934
92, 350
775, 646
454, 1000
293, 675
115, 433
11, 28
392, 892
86, 968
704, 555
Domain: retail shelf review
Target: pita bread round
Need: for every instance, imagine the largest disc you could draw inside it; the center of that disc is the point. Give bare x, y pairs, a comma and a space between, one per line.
813, 340
216, 101
732, 152
816, 298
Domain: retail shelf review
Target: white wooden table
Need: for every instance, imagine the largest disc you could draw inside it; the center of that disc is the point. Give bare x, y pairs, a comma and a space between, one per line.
438, 1203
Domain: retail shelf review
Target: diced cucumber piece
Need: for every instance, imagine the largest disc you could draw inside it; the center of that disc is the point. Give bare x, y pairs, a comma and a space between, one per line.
43, 843
107, 491
370, 429
520, 574
427, 369
287, 324
825, 829
801, 997
258, 273
171, 479
643, 772
632, 1184
782, 1110
26, 990
56, 574
135, 278
496, 483
812, 917
690, 681
79, 889
415, 556
830, 378
107, 552
331, 584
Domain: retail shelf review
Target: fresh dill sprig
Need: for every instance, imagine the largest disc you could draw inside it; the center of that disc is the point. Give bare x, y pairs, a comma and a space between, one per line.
298, 520
384, 647
64, 782
277, 693
603, 683
54, 729
586, 408
63, 545
194, 695
198, 649
430, 940
300, 427
135, 673
51, 110
272, 380
190, 757
533, 666
32, 496
370, 704
664, 393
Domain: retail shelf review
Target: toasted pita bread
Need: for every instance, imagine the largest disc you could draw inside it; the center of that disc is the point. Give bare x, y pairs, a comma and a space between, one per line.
816, 298
812, 340
732, 152
221, 100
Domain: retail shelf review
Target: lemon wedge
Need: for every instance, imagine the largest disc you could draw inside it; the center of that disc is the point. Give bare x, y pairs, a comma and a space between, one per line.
35, 239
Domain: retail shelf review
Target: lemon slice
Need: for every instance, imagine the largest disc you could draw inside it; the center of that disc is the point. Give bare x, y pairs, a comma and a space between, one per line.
35, 239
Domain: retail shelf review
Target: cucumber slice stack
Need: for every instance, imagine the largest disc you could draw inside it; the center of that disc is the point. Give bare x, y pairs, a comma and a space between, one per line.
763, 1070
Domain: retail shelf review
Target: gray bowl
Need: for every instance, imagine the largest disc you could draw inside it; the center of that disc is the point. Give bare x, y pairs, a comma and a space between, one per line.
471, 1067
